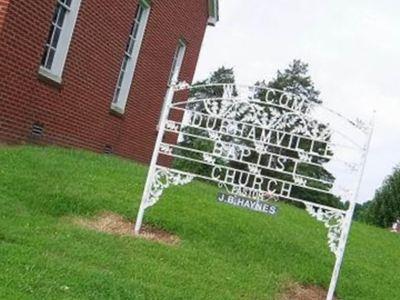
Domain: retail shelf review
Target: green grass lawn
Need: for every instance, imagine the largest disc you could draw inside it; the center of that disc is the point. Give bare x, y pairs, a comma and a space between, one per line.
225, 252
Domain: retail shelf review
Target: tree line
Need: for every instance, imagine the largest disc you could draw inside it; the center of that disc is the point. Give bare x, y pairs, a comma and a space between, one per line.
384, 209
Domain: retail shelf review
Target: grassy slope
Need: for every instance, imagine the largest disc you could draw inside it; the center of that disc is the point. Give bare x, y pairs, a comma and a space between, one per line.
226, 252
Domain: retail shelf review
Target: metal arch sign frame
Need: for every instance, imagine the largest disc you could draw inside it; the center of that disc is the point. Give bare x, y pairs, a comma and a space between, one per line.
242, 124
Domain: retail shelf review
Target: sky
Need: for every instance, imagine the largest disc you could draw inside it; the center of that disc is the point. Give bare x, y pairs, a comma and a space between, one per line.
352, 48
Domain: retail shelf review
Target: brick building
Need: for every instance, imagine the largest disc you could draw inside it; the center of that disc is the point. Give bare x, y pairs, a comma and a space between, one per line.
93, 74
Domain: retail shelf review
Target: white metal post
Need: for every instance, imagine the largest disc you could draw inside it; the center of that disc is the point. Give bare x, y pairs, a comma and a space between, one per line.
340, 251
347, 222
150, 176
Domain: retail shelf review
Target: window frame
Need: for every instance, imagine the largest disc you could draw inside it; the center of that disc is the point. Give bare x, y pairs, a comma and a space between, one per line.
177, 62
63, 42
176, 68
131, 55
213, 12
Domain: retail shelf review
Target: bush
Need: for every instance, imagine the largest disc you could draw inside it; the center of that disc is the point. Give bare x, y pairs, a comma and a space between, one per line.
384, 209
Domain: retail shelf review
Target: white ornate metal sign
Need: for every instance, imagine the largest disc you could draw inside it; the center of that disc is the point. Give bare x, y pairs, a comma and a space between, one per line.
260, 146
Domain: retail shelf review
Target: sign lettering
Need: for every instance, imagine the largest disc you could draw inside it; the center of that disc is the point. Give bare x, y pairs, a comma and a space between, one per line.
255, 205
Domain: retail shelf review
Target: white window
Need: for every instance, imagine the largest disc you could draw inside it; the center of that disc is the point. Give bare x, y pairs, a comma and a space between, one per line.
130, 58
59, 39
177, 63
175, 70
213, 15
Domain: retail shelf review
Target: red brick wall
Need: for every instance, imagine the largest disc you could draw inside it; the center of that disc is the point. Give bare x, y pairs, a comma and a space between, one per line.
77, 113
3, 11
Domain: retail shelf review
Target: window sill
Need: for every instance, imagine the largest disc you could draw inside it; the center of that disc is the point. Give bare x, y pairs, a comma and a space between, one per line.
49, 77
117, 111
